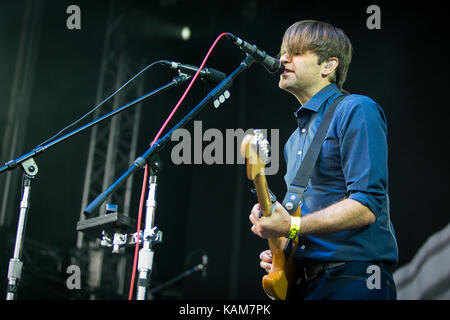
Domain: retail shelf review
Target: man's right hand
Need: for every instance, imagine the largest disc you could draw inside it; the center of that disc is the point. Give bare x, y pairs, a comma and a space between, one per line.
266, 260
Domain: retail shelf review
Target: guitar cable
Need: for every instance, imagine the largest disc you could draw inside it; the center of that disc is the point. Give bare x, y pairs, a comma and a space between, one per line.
145, 177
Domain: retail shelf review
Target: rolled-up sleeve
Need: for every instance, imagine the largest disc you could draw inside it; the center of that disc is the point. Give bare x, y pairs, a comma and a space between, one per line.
363, 147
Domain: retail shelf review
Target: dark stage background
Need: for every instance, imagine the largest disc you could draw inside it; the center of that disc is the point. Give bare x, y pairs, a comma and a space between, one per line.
402, 66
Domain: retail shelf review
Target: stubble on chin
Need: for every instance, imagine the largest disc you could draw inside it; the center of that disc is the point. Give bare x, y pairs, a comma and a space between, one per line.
286, 85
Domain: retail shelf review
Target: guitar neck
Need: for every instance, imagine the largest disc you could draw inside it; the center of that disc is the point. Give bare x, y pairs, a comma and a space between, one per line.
277, 282
262, 193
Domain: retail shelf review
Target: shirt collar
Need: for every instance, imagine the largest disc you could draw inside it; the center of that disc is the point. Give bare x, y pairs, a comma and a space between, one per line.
319, 98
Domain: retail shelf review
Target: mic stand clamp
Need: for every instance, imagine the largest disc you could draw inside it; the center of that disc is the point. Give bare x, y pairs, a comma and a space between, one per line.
120, 240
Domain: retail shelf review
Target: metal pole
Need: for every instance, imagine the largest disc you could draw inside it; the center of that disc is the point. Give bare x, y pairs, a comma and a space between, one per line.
15, 263
151, 235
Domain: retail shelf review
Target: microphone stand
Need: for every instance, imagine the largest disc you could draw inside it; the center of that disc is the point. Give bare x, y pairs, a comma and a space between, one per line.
30, 169
151, 233
218, 95
181, 276
10, 165
15, 264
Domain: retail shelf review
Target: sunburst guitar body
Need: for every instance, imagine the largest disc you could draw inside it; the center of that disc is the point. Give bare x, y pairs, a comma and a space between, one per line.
278, 283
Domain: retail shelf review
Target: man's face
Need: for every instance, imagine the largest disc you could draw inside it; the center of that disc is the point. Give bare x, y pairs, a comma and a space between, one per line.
301, 73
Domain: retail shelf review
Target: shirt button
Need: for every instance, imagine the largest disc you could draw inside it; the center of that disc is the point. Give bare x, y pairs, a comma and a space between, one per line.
299, 153
303, 130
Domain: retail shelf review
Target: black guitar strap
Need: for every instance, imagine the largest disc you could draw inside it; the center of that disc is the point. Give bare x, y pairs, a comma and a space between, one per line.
297, 188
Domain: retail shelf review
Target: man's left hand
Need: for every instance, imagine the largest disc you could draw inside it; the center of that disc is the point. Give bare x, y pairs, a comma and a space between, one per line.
274, 226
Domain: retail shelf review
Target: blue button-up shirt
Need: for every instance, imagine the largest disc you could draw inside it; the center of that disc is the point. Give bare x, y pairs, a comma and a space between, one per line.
352, 164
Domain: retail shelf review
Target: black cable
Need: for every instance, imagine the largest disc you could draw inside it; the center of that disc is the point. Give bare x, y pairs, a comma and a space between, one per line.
101, 103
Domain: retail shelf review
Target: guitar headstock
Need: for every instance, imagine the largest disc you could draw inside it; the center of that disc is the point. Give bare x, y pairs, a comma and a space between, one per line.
255, 148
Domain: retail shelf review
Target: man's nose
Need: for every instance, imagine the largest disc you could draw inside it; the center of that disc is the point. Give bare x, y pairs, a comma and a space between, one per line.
285, 58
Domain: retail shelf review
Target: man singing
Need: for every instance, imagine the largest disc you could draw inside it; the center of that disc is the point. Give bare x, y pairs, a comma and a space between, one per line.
345, 234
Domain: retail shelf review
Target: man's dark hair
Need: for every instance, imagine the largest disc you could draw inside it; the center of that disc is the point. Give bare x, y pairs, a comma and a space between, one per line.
323, 39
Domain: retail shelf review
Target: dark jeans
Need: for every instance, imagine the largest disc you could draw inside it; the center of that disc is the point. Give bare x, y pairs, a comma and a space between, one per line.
352, 281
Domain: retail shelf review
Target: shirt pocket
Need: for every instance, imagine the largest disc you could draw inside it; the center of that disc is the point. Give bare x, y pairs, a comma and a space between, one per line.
328, 169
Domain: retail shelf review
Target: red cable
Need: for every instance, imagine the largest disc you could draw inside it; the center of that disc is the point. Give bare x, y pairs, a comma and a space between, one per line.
144, 183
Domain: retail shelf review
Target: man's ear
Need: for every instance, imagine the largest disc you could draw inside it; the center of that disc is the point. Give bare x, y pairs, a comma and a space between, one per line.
329, 66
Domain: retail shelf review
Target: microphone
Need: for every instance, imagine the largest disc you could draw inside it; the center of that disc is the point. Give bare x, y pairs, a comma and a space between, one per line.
208, 74
205, 265
273, 65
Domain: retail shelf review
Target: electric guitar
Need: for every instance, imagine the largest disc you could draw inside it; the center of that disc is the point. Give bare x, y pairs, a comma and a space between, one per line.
279, 281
